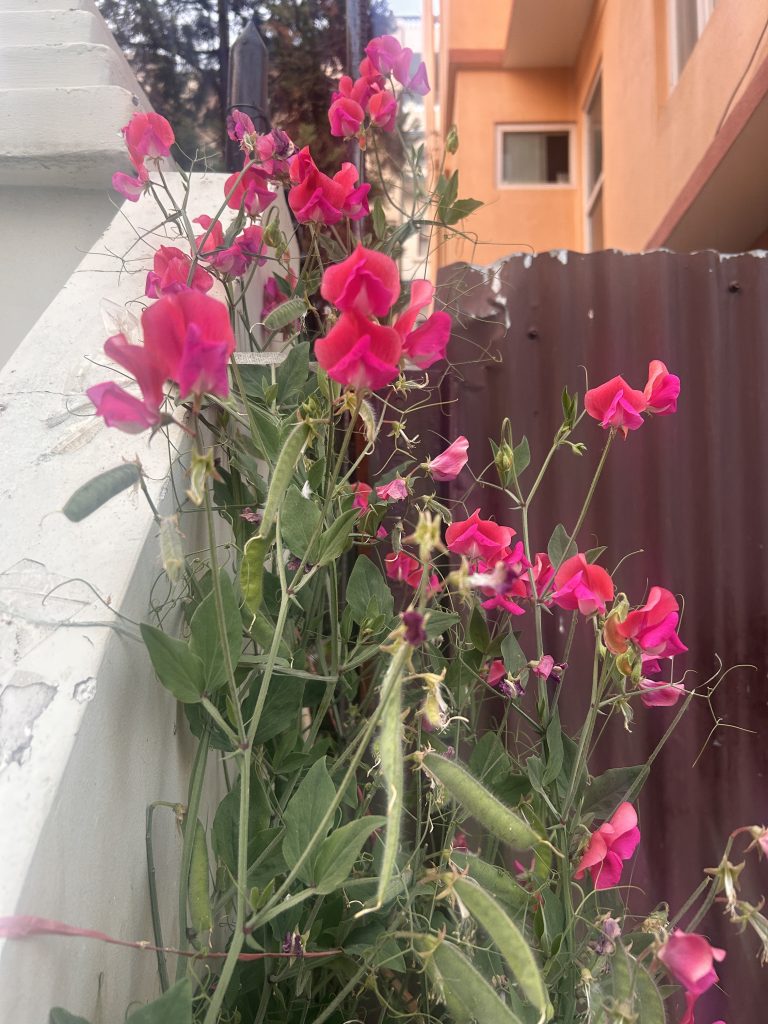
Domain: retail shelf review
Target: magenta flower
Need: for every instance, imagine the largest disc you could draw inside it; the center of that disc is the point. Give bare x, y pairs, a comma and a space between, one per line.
167, 323
656, 693
251, 191
346, 117
448, 464
203, 365
367, 282
359, 353
395, 490
662, 389
239, 125
403, 568
147, 135
425, 344
614, 842
273, 150
502, 581
170, 270
582, 587
546, 667
316, 197
415, 634
130, 188
496, 677
542, 571
362, 497
689, 958
616, 404
653, 627
477, 538
388, 57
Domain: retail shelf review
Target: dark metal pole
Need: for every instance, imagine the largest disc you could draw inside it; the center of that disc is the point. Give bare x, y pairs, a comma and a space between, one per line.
248, 88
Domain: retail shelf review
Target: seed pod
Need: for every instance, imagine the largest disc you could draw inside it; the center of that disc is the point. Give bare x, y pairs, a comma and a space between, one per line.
200, 916
171, 548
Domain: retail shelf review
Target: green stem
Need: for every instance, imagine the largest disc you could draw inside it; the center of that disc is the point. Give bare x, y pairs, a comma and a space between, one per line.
190, 821
585, 735
157, 927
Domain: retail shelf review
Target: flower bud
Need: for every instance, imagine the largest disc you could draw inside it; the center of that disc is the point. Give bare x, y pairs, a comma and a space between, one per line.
452, 140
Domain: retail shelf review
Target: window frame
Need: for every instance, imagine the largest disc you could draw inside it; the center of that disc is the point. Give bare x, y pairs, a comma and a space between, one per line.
532, 128
596, 192
704, 11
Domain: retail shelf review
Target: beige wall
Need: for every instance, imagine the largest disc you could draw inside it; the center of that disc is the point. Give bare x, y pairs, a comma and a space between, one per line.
655, 135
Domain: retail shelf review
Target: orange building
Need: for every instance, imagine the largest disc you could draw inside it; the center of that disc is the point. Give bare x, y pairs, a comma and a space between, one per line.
590, 124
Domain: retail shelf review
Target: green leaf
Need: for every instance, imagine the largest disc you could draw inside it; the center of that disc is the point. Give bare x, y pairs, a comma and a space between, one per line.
303, 815
292, 373
375, 937
461, 208
338, 853
594, 553
299, 518
379, 219
437, 622
226, 823
99, 490
60, 1016
630, 986
173, 1007
367, 592
336, 539
508, 940
481, 804
281, 708
498, 882
560, 546
606, 791
462, 984
285, 314
512, 653
177, 668
478, 630
205, 640
521, 456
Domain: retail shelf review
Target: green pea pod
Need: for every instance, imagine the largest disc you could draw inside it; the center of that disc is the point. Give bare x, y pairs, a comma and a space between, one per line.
466, 989
283, 474
252, 572
478, 801
495, 880
508, 940
200, 916
99, 490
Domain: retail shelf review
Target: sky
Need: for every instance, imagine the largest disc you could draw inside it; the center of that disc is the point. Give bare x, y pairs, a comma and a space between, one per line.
405, 7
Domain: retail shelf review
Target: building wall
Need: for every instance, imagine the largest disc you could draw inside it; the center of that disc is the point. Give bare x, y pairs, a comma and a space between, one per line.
655, 134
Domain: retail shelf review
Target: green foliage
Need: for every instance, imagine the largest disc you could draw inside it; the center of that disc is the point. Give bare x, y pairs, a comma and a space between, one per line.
173, 1007
177, 667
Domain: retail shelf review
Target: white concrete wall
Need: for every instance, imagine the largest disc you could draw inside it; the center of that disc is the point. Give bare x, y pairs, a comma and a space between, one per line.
65, 91
88, 737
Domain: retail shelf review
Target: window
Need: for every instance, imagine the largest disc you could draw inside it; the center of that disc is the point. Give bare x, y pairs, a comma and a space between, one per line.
687, 19
593, 142
534, 155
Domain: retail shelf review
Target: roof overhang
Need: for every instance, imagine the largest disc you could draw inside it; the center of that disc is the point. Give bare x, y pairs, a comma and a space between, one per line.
546, 33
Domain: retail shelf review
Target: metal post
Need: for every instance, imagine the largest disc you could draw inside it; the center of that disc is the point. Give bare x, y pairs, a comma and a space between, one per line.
248, 88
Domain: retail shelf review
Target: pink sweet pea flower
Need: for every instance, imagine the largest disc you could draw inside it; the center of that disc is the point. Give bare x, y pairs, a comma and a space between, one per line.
382, 110
653, 626
359, 353
130, 188
358, 90
250, 242
689, 958
426, 344
170, 270
542, 571
616, 404
346, 117
150, 368
388, 57
502, 581
251, 191
147, 135
496, 678
658, 694
477, 538
582, 587
121, 410
448, 464
403, 568
662, 389
316, 197
362, 495
238, 126
273, 150
215, 237
395, 490
367, 282
203, 365
614, 842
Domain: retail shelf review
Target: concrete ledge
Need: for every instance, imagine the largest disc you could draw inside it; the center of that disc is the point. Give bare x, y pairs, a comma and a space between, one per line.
31, 27
57, 65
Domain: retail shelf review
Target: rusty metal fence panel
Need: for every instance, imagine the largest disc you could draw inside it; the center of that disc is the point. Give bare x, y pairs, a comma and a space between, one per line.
691, 490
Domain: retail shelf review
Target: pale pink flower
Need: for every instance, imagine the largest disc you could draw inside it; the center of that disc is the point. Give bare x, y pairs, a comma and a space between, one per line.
388, 57
613, 843
395, 490
130, 188
362, 493
448, 464
616, 404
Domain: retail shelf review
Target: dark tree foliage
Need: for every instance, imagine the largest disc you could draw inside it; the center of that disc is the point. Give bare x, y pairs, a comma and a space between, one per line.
179, 52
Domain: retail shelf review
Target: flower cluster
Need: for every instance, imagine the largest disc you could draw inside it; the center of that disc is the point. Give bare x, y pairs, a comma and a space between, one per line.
615, 404
365, 102
359, 351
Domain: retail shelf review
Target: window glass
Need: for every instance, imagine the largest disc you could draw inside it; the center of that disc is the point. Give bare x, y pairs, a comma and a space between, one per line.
535, 158
595, 136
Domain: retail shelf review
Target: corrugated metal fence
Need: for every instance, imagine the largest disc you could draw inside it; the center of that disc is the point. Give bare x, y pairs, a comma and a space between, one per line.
691, 490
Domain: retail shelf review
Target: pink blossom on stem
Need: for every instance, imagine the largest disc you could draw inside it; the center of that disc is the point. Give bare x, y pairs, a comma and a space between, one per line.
273, 150
477, 538
147, 135
656, 693
395, 490
131, 188
614, 842
121, 410
403, 568
496, 677
388, 57
215, 237
653, 627
316, 197
363, 493
542, 571
151, 368
359, 353
382, 110
582, 587
170, 271
239, 125
448, 464
426, 344
662, 390
203, 365
249, 189
346, 117
689, 958
367, 282
616, 404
